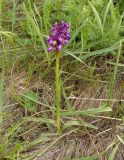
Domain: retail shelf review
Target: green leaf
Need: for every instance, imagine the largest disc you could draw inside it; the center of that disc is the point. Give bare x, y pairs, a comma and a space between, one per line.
42, 139
113, 78
41, 120
113, 153
91, 111
71, 123
30, 99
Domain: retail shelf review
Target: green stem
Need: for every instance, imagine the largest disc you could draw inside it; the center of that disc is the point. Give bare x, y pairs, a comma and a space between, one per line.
57, 94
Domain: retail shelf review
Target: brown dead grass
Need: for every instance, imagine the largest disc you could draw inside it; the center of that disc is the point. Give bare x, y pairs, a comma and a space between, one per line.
71, 144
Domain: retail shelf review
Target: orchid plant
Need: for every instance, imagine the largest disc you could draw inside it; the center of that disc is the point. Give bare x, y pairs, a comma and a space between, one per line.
59, 36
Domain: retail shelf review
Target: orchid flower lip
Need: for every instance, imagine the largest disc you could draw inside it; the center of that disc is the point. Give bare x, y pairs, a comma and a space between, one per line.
59, 47
50, 49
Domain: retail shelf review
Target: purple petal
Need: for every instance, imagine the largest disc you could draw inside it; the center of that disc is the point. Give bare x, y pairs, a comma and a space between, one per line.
65, 42
68, 35
50, 41
60, 39
59, 47
50, 49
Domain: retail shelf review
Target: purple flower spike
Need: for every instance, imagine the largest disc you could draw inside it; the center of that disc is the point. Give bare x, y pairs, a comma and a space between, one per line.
59, 36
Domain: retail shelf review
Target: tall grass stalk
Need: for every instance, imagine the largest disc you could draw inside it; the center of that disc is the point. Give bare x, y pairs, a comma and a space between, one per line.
57, 94
1, 96
115, 72
1, 8
14, 15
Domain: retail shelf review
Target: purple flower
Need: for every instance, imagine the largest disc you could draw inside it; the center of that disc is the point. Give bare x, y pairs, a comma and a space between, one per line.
59, 36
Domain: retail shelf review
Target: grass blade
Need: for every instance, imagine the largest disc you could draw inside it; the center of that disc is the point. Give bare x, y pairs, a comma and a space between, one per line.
112, 155
121, 19
1, 9
101, 51
1, 95
35, 28
115, 72
76, 33
96, 16
120, 139
106, 11
91, 111
14, 14
41, 120
77, 123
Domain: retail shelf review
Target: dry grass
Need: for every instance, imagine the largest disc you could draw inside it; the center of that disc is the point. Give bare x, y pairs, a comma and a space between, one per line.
79, 142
